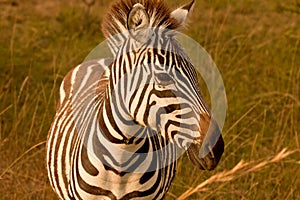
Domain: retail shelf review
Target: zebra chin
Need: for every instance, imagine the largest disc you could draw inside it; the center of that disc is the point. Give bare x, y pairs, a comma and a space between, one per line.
206, 155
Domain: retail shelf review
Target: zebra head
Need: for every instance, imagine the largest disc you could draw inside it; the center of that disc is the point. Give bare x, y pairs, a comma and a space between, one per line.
156, 80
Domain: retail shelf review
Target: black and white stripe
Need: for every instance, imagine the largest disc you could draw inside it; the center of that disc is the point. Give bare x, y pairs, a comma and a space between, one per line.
121, 121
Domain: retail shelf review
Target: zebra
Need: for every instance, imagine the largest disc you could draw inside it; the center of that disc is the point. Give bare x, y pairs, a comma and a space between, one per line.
122, 121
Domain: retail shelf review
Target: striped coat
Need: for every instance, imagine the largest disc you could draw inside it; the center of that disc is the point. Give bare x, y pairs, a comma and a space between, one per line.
121, 122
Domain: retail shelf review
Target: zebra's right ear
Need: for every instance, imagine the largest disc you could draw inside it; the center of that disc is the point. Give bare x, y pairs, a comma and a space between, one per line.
138, 22
181, 14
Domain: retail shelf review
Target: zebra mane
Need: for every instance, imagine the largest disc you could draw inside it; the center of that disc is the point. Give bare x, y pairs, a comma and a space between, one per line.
115, 20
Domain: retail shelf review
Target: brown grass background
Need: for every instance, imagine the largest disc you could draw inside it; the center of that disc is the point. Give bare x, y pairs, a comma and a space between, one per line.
255, 45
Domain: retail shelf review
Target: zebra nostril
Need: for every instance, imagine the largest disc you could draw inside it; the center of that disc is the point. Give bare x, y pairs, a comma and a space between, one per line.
211, 151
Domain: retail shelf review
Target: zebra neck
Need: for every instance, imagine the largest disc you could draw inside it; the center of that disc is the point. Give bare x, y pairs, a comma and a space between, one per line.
119, 123
127, 76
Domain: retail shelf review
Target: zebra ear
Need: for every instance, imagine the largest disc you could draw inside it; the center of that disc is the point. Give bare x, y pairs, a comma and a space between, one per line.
181, 14
137, 22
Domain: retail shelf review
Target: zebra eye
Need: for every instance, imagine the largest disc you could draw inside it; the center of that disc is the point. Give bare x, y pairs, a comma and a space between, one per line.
164, 79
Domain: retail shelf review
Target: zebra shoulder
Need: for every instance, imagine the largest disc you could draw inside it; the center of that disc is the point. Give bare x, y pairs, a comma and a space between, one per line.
82, 77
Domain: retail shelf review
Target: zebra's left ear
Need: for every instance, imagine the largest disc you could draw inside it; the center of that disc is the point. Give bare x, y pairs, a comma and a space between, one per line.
138, 23
181, 14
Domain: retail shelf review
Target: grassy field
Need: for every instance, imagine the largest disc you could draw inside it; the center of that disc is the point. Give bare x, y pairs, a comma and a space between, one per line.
256, 46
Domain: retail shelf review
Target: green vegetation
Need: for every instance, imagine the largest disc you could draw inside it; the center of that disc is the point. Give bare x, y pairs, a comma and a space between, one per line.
255, 44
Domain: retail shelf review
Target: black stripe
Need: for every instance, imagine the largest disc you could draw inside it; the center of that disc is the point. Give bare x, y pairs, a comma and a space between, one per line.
92, 189
104, 128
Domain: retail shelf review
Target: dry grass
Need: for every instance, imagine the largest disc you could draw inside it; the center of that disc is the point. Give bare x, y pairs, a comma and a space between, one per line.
258, 58
241, 169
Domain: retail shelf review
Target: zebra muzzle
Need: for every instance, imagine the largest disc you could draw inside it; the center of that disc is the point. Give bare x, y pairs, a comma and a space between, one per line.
207, 154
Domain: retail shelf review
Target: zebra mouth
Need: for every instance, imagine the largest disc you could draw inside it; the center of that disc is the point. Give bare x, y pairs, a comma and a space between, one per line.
211, 159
